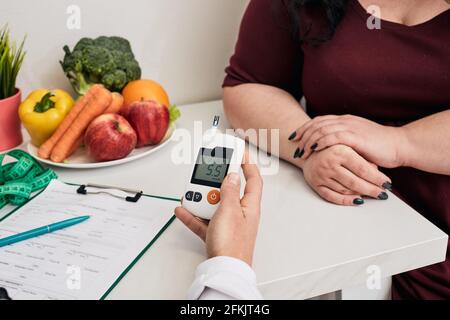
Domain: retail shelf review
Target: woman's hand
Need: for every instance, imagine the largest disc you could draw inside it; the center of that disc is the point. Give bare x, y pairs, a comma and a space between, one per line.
341, 176
376, 143
232, 230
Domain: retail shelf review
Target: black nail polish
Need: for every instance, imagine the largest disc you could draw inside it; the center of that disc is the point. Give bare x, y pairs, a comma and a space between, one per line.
387, 185
358, 201
301, 153
314, 146
383, 196
292, 136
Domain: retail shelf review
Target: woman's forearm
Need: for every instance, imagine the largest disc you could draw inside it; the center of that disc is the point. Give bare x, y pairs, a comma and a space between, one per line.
426, 144
256, 106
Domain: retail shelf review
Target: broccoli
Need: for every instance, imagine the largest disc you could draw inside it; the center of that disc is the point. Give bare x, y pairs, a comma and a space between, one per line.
115, 79
106, 60
84, 42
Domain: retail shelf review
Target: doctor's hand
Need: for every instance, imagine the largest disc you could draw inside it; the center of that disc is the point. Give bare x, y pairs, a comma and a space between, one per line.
232, 230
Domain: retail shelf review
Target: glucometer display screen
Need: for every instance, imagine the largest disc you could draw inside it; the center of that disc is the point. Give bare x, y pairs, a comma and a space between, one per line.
212, 166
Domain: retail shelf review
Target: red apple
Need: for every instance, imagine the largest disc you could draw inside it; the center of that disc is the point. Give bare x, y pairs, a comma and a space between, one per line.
125, 110
109, 137
150, 120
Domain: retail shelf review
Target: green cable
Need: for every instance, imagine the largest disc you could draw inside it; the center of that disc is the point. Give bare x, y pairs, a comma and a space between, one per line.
19, 179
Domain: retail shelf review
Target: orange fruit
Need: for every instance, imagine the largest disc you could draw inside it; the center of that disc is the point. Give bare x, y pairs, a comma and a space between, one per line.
138, 90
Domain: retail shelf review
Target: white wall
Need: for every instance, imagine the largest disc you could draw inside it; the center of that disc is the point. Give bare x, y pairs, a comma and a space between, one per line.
184, 44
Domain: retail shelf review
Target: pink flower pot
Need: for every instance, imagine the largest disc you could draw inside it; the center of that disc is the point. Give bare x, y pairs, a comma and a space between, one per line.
10, 131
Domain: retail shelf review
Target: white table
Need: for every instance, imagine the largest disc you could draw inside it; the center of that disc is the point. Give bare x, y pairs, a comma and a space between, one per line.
306, 247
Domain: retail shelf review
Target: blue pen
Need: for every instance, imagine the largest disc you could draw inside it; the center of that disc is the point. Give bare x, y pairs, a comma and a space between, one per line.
40, 231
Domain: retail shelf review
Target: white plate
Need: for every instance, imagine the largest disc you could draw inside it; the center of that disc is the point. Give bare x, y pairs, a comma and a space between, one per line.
80, 160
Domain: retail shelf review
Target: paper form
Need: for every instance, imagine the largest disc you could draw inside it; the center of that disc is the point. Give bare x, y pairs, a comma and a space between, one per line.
84, 260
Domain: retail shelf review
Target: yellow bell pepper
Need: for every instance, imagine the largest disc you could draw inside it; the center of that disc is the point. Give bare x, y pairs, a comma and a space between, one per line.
42, 112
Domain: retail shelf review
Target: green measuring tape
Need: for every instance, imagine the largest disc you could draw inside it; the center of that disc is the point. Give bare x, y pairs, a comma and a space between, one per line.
19, 179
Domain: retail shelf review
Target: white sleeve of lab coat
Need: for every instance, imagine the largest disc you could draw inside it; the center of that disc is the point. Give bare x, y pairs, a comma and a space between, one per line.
224, 278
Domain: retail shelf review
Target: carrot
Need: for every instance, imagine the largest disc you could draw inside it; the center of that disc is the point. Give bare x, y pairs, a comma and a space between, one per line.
95, 106
76, 145
45, 149
116, 103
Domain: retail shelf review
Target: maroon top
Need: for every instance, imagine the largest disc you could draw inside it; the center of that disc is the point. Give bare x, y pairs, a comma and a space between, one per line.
393, 76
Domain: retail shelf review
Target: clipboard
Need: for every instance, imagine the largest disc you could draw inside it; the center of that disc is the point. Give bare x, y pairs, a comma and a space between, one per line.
135, 196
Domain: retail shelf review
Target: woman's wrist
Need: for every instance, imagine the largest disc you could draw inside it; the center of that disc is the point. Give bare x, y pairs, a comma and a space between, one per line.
299, 163
403, 148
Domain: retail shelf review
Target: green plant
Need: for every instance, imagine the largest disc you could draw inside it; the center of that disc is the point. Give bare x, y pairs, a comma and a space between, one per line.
11, 58
106, 60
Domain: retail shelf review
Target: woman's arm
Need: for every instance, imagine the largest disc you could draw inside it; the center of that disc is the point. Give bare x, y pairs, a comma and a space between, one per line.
423, 144
338, 174
257, 106
426, 144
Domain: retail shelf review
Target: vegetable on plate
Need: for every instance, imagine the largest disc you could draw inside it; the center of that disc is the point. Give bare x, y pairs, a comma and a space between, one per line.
104, 60
69, 134
95, 106
43, 111
116, 103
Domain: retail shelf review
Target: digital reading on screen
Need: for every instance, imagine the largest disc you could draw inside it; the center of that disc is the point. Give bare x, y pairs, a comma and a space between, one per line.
212, 166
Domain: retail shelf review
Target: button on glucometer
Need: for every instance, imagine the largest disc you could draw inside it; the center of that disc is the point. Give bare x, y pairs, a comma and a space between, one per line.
197, 197
214, 196
189, 195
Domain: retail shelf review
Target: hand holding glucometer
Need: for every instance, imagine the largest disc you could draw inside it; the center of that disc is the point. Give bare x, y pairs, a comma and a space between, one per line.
220, 154
232, 230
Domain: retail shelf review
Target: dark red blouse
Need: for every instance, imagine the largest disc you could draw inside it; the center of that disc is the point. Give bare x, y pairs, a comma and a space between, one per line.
393, 75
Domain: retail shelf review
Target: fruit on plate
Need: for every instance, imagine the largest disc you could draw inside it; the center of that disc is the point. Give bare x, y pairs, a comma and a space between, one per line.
109, 137
143, 90
150, 120
43, 111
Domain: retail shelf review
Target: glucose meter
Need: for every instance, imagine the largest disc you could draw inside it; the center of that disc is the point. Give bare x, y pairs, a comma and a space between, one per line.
219, 155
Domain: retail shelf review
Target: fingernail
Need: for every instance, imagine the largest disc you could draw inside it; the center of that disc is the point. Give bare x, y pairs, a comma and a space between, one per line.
293, 135
383, 196
234, 178
299, 153
387, 185
314, 146
358, 201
